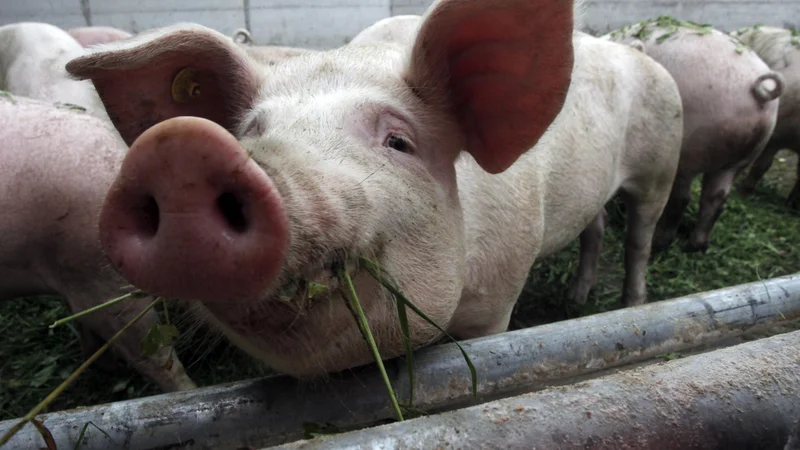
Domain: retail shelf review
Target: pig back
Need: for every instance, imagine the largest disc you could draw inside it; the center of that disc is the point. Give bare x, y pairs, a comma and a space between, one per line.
715, 75
33, 57
57, 165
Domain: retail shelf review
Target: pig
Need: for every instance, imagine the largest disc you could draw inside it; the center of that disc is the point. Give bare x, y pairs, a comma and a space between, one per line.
58, 163
266, 54
242, 36
780, 49
400, 28
452, 162
274, 54
32, 59
88, 36
730, 100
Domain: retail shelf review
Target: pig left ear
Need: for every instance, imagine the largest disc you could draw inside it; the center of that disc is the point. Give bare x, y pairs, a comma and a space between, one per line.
181, 70
501, 67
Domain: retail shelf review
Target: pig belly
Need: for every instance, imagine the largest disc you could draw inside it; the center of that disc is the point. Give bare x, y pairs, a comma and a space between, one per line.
569, 209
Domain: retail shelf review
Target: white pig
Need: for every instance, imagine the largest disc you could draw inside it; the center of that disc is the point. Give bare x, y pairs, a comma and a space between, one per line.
780, 49
730, 106
88, 36
399, 29
32, 59
266, 54
414, 156
57, 166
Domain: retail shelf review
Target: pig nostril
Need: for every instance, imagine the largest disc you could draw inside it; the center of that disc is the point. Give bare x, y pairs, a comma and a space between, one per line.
148, 217
233, 212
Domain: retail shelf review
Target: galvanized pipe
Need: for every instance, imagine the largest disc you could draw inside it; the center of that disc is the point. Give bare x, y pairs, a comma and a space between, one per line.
746, 396
272, 410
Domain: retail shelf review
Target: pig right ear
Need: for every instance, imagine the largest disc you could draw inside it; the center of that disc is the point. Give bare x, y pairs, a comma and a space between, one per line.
181, 70
502, 68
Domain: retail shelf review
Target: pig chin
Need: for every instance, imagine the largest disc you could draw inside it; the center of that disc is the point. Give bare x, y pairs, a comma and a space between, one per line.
306, 337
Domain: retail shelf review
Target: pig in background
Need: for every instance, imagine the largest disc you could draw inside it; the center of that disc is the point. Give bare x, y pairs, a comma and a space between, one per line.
730, 104
88, 36
780, 49
266, 54
32, 60
57, 166
288, 171
400, 29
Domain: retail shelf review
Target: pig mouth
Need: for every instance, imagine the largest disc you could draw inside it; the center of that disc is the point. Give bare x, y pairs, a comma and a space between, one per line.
287, 306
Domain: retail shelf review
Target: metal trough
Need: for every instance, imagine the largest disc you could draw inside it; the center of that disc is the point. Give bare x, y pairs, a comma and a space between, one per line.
741, 397
272, 410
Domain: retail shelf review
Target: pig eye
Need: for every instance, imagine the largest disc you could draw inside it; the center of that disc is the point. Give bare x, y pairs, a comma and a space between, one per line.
398, 143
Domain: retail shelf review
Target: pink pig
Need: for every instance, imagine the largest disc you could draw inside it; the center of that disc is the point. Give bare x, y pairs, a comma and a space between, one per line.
449, 161
730, 100
780, 49
32, 60
88, 36
57, 166
266, 54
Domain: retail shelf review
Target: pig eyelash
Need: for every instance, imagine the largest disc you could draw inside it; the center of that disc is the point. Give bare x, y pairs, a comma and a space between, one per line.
398, 143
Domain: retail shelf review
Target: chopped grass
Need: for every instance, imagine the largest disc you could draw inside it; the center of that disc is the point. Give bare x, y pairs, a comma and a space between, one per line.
756, 238
31, 415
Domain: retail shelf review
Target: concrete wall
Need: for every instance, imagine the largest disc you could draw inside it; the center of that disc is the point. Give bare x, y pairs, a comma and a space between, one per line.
330, 23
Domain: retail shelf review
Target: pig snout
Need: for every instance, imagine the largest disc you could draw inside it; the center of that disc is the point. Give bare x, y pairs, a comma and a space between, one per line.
192, 216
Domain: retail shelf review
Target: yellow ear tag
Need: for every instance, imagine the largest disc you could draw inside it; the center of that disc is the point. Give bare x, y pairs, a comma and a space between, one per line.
184, 86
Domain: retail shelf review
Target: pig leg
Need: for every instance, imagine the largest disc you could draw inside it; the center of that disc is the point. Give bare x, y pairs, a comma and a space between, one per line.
673, 213
91, 342
162, 368
591, 245
794, 196
716, 187
760, 167
644, 209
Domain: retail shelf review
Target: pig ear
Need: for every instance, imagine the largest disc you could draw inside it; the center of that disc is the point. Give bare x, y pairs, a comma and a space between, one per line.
182, 70
502, 68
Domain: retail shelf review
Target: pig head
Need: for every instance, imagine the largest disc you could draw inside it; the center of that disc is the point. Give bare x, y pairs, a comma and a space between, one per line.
245, 182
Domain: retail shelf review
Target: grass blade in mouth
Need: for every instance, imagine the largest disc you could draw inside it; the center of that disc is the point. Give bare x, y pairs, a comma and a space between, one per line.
351, 300
401, 314
134, 294
378, 272
57, 391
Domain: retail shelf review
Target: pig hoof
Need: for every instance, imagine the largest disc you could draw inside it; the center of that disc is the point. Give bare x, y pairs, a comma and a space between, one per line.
696, 247
579, 292
794, 202
661, 245
746, 189
629, 301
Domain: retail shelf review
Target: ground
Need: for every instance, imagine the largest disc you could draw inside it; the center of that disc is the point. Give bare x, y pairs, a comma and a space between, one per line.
756, 238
